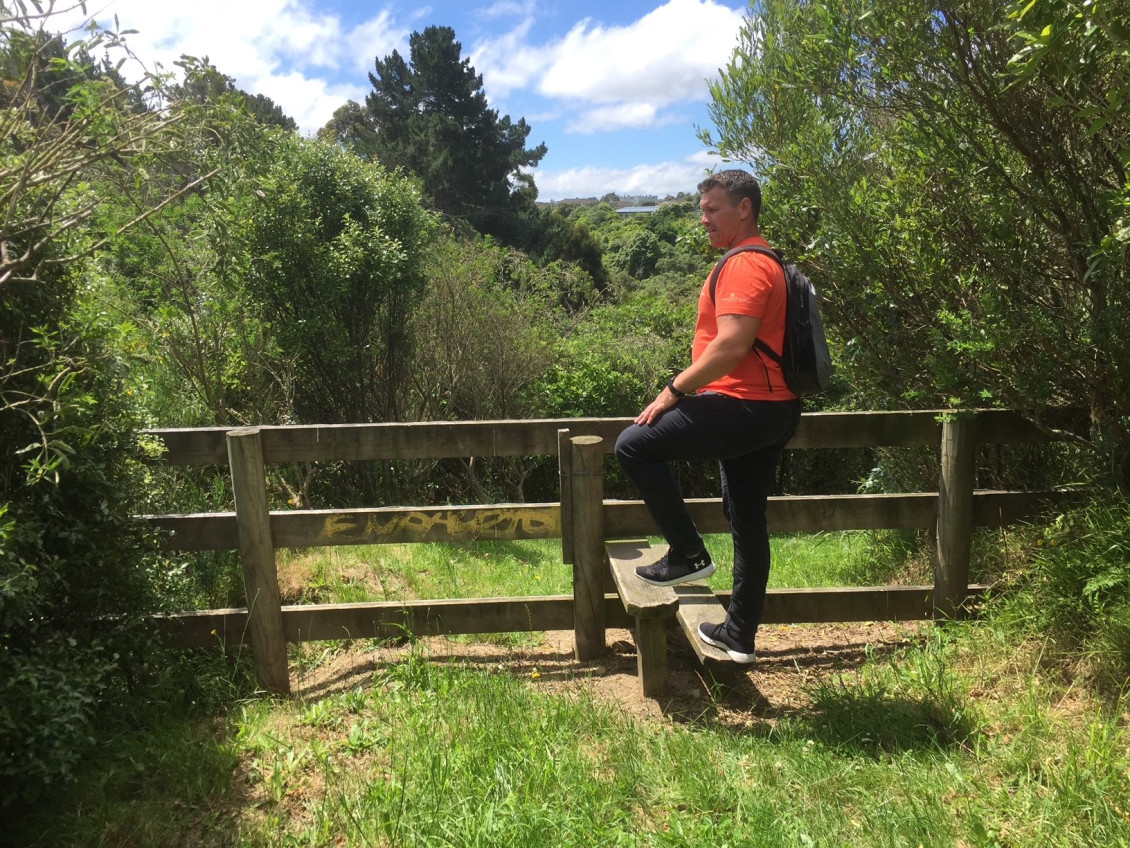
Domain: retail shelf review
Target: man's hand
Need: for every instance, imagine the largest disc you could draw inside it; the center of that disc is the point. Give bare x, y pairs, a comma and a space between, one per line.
663, 401
733, 342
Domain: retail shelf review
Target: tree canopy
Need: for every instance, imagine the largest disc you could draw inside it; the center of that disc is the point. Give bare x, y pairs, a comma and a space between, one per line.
204, 83
956, 178
429, 115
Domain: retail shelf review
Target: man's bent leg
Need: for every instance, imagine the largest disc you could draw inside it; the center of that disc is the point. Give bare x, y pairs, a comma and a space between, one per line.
645, 452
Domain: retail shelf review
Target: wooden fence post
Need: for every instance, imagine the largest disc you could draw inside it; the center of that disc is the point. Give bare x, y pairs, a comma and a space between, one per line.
588, 546
955, 515
257, 553
565, 487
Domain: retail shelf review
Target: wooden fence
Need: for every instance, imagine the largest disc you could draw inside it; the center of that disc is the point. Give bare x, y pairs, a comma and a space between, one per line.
582, 519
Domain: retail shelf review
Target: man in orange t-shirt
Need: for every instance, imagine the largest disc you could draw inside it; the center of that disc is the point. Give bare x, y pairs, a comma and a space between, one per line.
731, 405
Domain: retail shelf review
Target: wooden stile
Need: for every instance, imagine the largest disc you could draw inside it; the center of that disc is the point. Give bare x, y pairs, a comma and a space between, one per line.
583, 521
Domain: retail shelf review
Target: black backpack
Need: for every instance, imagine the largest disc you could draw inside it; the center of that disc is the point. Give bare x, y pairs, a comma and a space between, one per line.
805, 360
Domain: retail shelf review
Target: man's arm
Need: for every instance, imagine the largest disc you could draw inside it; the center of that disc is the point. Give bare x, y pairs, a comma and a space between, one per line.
736, 334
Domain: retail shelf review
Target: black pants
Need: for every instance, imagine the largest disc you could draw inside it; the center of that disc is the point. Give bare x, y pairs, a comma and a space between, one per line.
746, 438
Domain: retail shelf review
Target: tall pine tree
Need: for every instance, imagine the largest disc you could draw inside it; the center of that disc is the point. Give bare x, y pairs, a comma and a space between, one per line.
431, 118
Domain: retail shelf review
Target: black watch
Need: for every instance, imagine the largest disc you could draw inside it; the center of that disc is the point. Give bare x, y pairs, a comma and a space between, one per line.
673, 390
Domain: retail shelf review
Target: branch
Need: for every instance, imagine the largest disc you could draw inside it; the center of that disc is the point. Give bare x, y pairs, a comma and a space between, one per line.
143, 216
11, 267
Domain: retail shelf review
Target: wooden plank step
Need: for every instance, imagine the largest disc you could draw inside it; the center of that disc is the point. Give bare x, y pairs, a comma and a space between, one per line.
698, 604
651, 607
641, 599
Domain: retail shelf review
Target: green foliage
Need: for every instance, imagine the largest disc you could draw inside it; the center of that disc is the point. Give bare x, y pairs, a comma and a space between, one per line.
334, 248
430, 116
638, 255
204, 84
555, 237
75, 570
63, 122
352, 127
957, 206
1075, 587
69, 557
613, 361
482, 333
203, 354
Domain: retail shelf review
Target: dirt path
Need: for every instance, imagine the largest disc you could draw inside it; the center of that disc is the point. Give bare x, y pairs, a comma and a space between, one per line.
789, 659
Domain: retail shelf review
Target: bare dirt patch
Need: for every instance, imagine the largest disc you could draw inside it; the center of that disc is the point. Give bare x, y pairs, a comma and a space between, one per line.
789, 659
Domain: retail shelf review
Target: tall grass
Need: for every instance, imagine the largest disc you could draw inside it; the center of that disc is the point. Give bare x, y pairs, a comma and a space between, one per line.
1074, 588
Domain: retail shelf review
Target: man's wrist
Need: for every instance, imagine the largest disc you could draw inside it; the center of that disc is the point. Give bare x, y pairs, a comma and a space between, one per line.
671, 388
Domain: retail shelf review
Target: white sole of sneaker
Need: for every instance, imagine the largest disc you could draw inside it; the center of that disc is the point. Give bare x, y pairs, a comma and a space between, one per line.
701, 574
736, 656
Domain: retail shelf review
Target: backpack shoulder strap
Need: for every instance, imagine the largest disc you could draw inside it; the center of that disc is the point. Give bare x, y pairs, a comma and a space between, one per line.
756, 248
758, 344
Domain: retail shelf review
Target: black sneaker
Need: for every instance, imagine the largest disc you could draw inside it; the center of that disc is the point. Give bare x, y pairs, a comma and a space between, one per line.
675, 568
718, 636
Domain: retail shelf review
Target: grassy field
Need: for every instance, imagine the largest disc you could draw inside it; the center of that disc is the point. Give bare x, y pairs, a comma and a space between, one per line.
498, 569
965, 736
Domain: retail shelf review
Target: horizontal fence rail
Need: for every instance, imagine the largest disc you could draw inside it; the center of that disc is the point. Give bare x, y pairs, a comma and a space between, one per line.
219, 531
539, 437
258, 533
397, 619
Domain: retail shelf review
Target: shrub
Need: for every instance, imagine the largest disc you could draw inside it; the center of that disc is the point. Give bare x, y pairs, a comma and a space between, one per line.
72, 564
1076, 588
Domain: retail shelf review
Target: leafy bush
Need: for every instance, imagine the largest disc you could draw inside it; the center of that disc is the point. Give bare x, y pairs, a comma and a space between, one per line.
72, 565
618, 358
1075, 587
74, 569
335, 251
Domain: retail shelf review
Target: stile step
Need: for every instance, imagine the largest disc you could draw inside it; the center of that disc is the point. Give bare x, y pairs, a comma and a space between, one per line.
699, 604
641, 599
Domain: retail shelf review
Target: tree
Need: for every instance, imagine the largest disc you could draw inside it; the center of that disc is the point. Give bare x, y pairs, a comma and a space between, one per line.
205, 355
431, 118
203, 83
957, 186
352, 127
555, 237
334, 249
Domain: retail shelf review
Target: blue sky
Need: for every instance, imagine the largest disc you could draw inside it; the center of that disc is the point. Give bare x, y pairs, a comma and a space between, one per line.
614, 89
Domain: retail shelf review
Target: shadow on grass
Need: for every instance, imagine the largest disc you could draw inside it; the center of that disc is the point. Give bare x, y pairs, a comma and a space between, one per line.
871, 720
812, 689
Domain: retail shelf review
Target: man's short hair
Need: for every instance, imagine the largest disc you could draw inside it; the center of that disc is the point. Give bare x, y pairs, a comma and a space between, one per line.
737, 184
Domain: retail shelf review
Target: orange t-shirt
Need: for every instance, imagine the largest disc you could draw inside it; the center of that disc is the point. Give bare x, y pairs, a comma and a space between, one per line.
750, 284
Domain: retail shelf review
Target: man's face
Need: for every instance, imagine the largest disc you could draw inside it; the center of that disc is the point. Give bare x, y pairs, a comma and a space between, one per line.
723, 219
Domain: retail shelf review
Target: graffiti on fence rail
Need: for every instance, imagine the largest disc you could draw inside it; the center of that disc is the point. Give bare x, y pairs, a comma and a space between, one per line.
446, 525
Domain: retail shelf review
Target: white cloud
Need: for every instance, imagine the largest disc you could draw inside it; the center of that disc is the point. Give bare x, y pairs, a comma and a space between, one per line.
507, 63
660, 178
280, 48
376, 38
663, 58
634, 116
505, 8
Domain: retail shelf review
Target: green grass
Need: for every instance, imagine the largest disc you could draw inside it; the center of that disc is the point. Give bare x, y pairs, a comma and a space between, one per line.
974, 735
529, 568
431, 753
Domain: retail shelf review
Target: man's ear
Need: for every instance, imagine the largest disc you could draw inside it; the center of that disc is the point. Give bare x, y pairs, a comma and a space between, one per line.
745, 208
